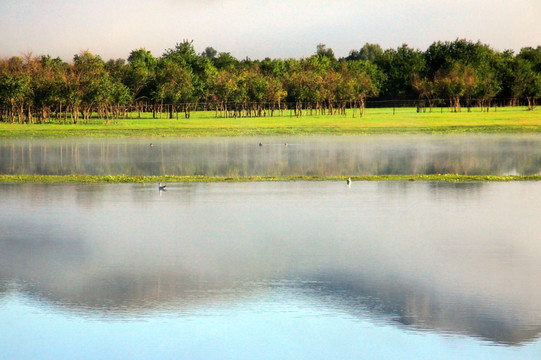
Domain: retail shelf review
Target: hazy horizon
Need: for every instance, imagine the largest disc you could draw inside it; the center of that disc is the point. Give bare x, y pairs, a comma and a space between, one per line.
254, 29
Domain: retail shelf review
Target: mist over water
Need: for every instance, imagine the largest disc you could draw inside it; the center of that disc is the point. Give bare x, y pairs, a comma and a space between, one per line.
322, 156
430, 258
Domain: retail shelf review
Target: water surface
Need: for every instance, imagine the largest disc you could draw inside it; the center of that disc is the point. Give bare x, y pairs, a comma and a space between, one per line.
271, 270
494, 154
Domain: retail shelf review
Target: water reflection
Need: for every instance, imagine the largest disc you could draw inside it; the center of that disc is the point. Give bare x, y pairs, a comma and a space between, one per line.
324, 156
446, 258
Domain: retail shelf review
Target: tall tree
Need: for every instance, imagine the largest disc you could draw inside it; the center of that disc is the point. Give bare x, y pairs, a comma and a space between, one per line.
369, 52
140, 73
528, 74
49, 86
14, 87
426, 89
367, 82
173, 84
323, 51
400, 65
209, 53
454, 82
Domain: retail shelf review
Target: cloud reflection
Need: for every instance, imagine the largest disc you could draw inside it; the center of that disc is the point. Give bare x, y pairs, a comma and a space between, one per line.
449, 259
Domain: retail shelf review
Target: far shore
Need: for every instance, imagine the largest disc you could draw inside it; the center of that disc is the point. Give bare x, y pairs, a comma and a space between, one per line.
168, 179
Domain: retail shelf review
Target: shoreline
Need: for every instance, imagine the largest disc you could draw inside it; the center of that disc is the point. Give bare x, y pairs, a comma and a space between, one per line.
112, 179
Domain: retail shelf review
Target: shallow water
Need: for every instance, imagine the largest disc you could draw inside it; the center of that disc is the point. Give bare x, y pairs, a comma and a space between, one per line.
271, 270
494, 154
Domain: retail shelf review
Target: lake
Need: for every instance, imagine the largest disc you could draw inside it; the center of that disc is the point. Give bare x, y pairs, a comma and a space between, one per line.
287, 270
495, 154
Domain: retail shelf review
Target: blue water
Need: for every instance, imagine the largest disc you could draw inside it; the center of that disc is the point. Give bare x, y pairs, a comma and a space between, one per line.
289, 270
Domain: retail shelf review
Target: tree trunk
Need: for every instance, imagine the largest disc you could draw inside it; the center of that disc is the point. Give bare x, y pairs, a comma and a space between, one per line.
530, 107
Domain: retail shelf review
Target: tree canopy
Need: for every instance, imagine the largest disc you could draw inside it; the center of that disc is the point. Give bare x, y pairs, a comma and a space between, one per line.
460, 72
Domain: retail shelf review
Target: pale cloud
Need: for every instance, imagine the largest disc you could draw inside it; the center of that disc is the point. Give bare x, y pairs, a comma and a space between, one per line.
259, 28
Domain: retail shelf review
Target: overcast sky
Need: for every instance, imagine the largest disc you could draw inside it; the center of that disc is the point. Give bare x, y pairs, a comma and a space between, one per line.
259, 28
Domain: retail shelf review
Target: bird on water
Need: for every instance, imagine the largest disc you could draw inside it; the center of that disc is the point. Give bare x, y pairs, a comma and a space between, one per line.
161, 187
348, 181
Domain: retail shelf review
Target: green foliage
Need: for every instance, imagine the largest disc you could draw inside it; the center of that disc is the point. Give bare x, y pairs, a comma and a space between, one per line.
369, 52
323, 52
173, 82
400, 65
527, 75
455, 81
39, 89
140, 73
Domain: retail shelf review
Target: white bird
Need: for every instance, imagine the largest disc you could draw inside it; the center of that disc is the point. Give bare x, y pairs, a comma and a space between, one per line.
162, 187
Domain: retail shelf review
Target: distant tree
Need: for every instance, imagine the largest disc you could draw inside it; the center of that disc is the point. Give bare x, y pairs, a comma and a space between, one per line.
527, 81
275, 93
369, 52
330, 85
140, 76
116, 69
256, 90
323, 51
529, 74
425, 88
276, 68
318, 64
173, 83
183, 53
225, 61
223, 90
14, 88
48, 86
92, 84
303, 87
399, 66
209, 53
455, 82
487, 86
503, 66
368, 80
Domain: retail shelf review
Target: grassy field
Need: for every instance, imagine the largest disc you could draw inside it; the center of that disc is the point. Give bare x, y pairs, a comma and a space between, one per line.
178, 179
375, 121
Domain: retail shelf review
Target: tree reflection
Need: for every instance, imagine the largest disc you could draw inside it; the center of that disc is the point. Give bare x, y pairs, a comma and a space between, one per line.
320, 156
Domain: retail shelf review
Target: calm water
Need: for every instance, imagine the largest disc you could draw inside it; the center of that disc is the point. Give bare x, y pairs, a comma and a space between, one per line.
293, 270
324, 156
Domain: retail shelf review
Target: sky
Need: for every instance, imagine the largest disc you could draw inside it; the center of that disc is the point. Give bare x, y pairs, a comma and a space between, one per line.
259, 28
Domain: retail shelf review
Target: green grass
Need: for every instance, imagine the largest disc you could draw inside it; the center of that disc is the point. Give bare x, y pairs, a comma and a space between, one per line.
375, 121
181, 179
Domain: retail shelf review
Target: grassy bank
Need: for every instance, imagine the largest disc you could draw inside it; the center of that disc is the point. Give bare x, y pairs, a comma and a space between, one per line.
376, 121
182, 179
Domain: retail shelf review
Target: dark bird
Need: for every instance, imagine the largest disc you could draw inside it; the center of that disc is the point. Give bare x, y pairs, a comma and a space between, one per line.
161, 187
260, 144
348, 181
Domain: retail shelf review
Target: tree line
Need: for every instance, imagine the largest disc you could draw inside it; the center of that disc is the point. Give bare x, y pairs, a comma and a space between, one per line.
458, 73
